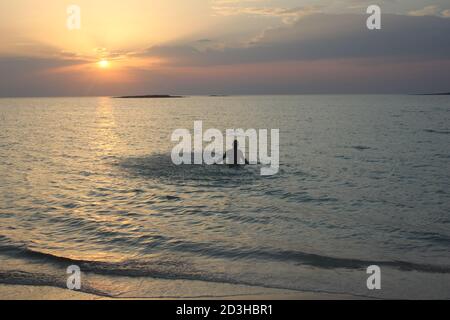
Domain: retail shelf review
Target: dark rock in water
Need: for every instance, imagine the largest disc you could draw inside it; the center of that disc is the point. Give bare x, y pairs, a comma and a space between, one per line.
152, 96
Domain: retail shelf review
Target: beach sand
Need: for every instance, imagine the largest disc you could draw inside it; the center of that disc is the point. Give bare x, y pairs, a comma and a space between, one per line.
20, 292
24, 292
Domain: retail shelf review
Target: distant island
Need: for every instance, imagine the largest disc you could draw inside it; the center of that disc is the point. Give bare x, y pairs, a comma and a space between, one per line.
433, 94
151, 96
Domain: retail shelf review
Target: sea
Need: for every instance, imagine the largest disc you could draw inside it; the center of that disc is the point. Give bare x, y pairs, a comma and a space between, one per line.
363, 180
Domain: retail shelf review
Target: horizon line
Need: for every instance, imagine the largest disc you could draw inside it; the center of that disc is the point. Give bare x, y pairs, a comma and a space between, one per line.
221, 95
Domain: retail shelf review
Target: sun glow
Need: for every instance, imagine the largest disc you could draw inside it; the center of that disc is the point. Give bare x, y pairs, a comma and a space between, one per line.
103, 64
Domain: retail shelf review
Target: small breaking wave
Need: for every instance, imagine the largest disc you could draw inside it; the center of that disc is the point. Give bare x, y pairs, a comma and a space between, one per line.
160, 166
179, 269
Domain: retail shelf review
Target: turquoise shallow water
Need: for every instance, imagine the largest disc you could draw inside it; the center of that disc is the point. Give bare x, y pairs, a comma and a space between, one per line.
363, 180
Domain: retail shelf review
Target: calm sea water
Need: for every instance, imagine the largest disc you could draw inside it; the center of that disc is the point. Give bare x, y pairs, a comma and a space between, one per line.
363, 180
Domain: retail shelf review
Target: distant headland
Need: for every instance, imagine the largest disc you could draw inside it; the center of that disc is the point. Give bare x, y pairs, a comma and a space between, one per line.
150, 96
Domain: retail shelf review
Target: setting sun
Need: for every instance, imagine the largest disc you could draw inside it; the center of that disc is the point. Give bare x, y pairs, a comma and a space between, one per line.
103, 64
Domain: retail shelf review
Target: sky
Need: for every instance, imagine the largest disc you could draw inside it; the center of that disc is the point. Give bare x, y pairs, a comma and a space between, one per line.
223, 47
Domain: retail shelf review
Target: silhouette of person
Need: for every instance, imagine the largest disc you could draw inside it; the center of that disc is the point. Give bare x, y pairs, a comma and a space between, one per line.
237, 154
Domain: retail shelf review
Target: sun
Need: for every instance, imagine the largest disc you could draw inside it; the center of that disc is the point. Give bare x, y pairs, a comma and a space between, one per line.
103, 64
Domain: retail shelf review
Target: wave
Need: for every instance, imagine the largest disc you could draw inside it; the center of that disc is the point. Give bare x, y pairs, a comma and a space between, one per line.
173, 269
309, 259
160, 166
179, 269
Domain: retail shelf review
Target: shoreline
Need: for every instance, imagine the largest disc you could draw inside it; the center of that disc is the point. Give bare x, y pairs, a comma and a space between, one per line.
29, 292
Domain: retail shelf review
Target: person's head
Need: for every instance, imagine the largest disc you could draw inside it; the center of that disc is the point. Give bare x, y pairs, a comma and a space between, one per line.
235, 144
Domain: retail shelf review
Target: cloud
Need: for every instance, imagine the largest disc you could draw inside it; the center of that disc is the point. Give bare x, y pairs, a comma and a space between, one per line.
228, 2
324, 36
26, 75
288, 15
331, 53
60, 75
427, 11
431, 11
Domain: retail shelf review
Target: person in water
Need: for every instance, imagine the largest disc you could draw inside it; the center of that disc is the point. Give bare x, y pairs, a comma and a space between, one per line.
237, 154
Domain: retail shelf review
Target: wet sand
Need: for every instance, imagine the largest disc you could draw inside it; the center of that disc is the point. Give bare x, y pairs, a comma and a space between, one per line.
23, 292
